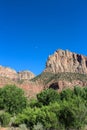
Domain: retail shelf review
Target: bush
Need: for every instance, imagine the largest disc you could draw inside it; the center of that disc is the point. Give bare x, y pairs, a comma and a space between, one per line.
31, 117
26, 117
22, 127
38, 126
4, 118
13, 99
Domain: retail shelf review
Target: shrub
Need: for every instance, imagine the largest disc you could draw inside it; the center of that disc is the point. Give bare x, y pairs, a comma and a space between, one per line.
38, 126
4, 118
31, 117
22, 127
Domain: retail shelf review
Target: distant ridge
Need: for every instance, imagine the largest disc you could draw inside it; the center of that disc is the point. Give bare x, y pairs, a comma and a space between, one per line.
12, 74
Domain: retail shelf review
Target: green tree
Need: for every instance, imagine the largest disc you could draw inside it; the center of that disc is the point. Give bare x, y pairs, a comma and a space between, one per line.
47, 96
73, 114
66, 117
80, 113
12, 99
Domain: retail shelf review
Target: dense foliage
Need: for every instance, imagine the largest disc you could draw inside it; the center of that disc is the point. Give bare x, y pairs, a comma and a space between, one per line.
54, 111
48, 96
49, 111
12, 99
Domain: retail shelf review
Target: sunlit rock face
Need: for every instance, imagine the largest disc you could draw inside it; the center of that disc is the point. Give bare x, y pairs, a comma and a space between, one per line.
25, 75
7, 72
66, 61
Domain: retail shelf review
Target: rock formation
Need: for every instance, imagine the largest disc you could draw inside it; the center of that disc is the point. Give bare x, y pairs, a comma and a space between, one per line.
25, 75
63, 84
66, 61
7, 72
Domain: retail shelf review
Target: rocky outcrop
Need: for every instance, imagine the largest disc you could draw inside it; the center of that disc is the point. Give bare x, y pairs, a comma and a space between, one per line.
66, 61
25, 75
63, 84
7, 72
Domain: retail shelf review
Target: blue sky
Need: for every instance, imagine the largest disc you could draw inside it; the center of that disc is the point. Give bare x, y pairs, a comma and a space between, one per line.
30, 30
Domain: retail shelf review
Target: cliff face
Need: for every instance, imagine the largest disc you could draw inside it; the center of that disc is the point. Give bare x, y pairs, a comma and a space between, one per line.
66, 61
25, 75
8, 72
12, 74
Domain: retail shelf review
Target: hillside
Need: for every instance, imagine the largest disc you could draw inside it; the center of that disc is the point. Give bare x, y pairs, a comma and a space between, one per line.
63, 69
47, 77
62, 80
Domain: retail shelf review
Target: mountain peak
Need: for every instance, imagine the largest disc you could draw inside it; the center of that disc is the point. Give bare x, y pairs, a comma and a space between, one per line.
66, 61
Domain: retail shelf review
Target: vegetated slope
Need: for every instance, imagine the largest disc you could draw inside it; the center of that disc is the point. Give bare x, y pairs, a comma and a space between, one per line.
61, 80
43, 77
46, 77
